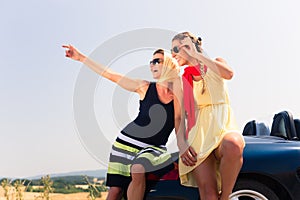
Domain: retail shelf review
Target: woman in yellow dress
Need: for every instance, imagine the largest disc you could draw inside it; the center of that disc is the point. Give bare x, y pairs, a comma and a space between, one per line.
213, 154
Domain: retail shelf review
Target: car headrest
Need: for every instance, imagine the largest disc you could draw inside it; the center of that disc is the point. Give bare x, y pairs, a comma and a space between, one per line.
297, 126
250, 128
262, 129
283, 126
256, 128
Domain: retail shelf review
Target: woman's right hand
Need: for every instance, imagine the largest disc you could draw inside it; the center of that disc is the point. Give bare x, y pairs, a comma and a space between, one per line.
73, 53
189, 157
187, 154
189, 47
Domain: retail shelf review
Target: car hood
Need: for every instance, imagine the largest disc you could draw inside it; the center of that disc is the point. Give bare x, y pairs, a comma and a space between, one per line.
269, 139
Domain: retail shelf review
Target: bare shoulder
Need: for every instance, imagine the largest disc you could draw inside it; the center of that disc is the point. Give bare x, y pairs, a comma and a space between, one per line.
142, 89
177, 80
142, 85
219, 59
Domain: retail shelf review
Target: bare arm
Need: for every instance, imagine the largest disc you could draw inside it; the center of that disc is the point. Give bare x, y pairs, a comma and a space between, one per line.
218, 65
185, 151
133, 85
179, 115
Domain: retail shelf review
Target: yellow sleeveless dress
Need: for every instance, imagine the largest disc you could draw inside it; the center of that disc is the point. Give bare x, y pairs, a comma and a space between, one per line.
214, 118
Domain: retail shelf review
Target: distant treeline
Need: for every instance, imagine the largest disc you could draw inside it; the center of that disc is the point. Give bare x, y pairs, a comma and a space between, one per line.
68, 180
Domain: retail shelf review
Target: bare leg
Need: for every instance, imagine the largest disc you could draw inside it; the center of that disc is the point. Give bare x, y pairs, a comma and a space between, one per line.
137, 186
114, 193
205, 175
230, 153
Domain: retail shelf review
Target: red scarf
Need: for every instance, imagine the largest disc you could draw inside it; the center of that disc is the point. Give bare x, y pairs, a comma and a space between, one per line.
188, 96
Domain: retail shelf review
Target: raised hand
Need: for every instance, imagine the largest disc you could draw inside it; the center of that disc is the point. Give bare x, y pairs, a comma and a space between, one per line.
188, 46
73, 53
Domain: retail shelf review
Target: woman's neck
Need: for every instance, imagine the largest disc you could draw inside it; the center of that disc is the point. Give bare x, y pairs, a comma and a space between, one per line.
163, 85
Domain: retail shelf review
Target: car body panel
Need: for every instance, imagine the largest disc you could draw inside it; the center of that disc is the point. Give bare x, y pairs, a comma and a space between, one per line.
270, 160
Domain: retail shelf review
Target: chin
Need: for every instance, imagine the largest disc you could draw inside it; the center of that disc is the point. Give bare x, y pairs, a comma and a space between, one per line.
182, 63
154, 77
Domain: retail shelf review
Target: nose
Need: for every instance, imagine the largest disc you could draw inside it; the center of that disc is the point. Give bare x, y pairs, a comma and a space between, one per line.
151, 66
173, 54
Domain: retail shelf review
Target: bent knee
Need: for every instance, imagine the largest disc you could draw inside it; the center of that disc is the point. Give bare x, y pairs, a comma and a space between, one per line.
233, 144
138, 173
137, 169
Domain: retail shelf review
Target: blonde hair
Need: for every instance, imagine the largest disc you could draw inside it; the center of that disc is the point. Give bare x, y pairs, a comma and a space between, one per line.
170, 68
196, 40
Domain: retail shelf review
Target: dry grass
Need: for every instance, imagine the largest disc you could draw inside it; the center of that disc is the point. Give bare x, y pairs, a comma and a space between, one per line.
55, 196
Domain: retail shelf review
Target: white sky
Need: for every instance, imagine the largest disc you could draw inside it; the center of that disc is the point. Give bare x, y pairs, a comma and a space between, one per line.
259, 39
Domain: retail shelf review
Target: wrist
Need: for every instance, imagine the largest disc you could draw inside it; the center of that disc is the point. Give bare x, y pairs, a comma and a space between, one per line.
182, 146
81, 58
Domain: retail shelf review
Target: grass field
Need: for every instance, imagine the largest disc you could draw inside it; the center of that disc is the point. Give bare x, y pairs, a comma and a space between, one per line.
54, 196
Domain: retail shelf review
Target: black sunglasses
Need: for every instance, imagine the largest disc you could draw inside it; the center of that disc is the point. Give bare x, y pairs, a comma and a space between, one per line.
156, 61
175, 49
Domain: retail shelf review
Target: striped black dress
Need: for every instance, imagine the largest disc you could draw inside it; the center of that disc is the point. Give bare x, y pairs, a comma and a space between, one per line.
143, 141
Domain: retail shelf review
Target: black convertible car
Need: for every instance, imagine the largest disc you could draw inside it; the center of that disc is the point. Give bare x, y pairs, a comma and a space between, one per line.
271, 168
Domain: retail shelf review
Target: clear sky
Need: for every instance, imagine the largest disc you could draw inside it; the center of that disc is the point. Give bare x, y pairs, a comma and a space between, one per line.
38, 133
